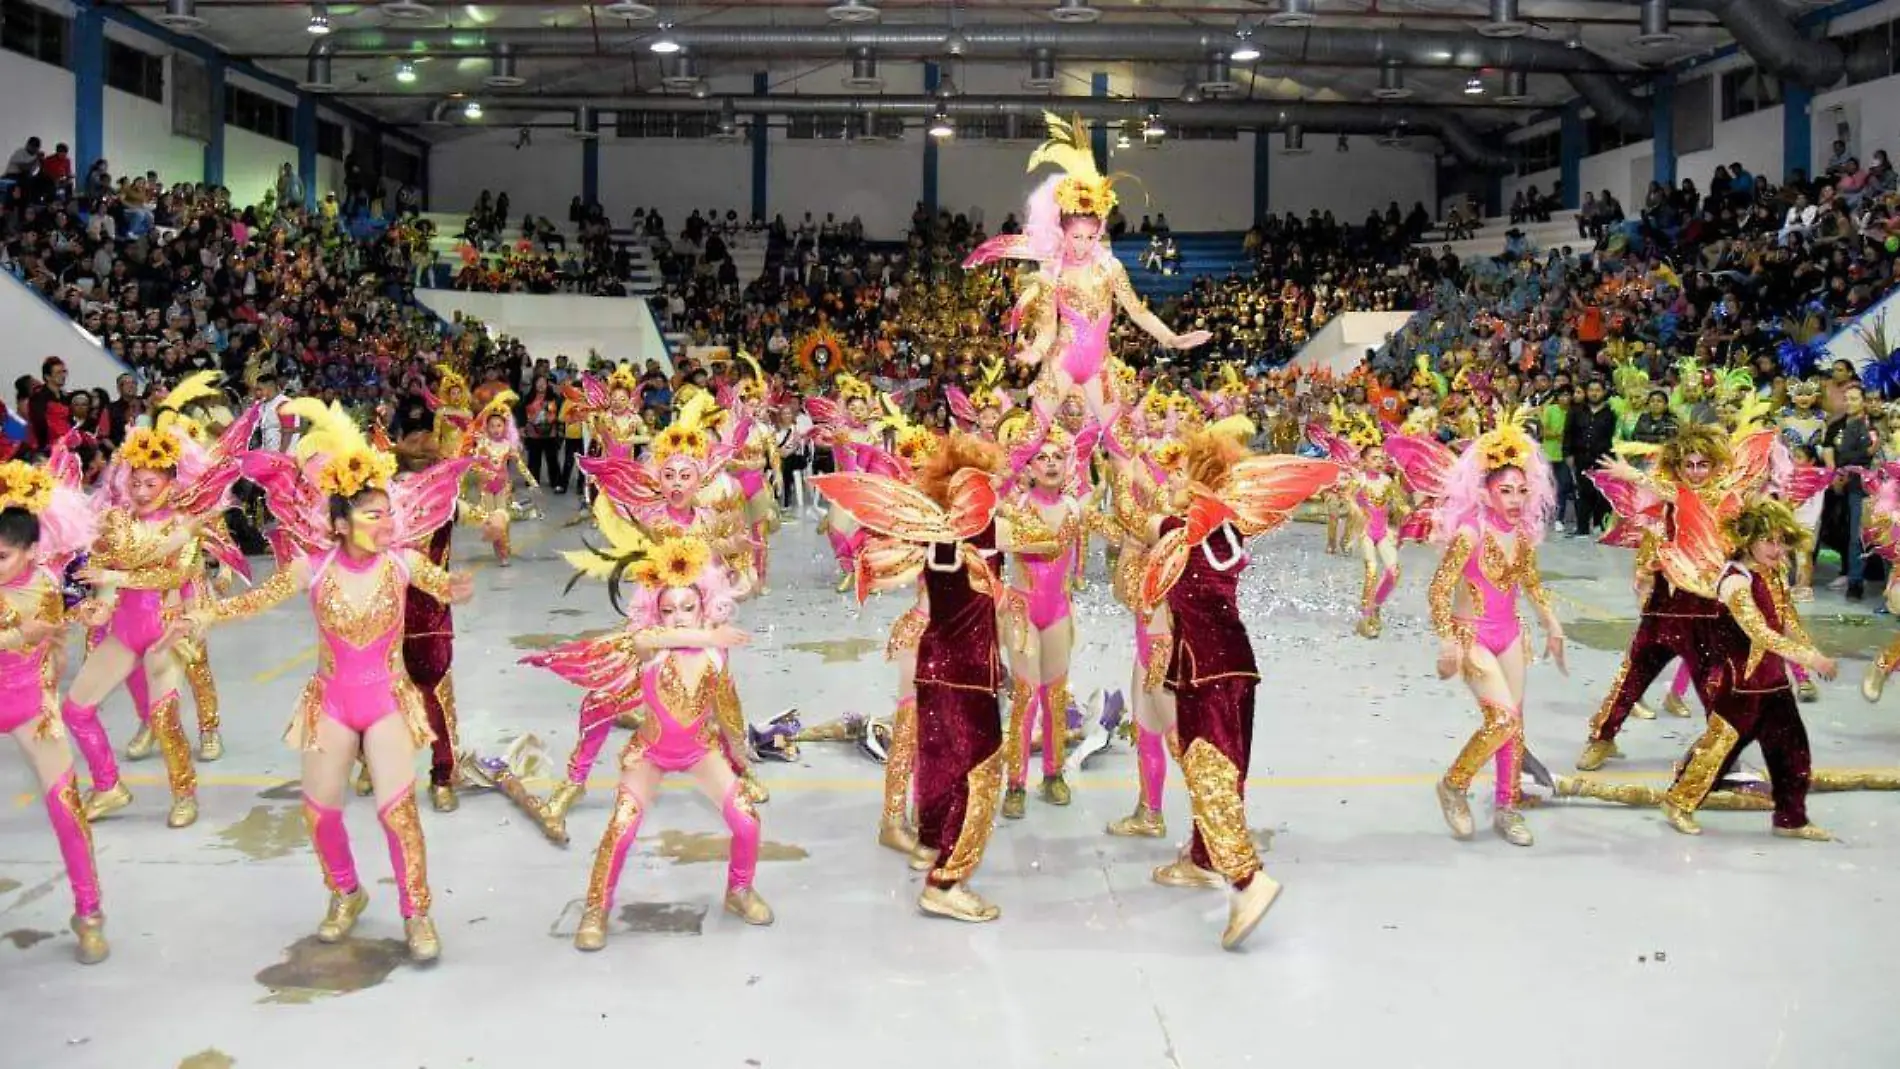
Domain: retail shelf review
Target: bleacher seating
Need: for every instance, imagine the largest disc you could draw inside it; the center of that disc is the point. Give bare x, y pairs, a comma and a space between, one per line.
1213, 254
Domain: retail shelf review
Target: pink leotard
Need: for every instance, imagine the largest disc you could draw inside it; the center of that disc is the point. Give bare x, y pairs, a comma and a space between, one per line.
751, 482
1048, 576
1497, 625
361, 648
1377, 521
137, 619
27, 683
680, 745
1088, 343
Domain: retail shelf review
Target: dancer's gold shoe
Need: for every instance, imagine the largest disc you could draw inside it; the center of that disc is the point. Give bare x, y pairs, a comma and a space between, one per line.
1015, 800
1054, 790
1813, 833
1369, 626
210, 746
1641, 711
143, 745
184, 812
1806, 692
1183, 872
746, 904
1143, 823
1457, 809
957, 903
1680, 819
442, 798
923, 859
1248, 908
1873, 682
102, 804
91, 931
1595, 752
1510, 826
340, 919
897, 835
1675, 706
424, 946
592, 933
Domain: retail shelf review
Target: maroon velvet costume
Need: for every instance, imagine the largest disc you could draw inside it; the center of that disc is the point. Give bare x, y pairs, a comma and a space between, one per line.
1674, 624
1212, 674
959, 719
428, 647
1760, 706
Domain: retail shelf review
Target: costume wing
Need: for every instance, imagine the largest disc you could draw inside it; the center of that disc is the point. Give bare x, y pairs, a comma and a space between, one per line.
608, 664
1753, 461
1000, 247
1694, 559
1262, 491
887, 564
206, 490
972, 502
1805, 481
424, 501
887, 506
1423, 464
626, 481
1638, 512
1166, 560
215, 539
303, 517
960, 406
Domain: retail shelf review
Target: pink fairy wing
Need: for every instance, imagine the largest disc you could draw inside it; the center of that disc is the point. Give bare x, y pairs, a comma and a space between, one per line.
205, 493
960, 406
723, 395
237, 437
1804, 482
593, 392
1336, 447
1262, 491
63, 463
302, 515
1423, 464
877, 460
626, 481
608, 664
1000, 247
1693, 560
1085, 442
1418, 526
422, 502
216, 540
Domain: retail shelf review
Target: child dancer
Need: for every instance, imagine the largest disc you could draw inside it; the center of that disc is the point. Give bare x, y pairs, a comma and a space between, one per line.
494, 445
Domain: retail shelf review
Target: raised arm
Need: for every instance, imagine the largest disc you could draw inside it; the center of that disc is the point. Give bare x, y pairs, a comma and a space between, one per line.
436, 581
283, 584
1137, 311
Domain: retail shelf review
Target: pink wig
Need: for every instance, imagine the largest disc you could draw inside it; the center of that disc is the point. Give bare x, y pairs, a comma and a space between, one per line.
1465, 491
716, 600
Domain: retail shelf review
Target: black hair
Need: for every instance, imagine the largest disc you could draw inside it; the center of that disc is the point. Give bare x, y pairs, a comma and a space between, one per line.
19, 528
342, 507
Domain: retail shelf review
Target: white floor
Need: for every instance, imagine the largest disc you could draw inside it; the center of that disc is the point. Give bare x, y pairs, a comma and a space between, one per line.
1612, 940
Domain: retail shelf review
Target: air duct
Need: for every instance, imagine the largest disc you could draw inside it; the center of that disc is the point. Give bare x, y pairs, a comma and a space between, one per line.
1042, 71
1391, 83
317, 77
1295, 141
1504, 21
1516, 88
1074, 11
1293, 13
1612, 103
586, 124
1218, 79
502, 73
181, 15
863, 70
1260, 116
679, 70
1653, 27
1762, 29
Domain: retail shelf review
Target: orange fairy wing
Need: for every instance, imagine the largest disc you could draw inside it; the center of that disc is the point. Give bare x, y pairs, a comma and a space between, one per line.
886, 564
1262, 491
888, 507
605, 664
1749, 469
1205, 515
972, 502
1167, 559
1694, 559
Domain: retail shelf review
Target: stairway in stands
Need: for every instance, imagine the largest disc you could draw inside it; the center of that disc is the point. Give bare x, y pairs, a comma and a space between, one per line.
1213, 254
643, 274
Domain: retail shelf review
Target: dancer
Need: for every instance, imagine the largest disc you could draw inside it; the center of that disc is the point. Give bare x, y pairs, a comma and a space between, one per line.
1053, 465
1497, 499
1194, 564
1700, 457
1751, 644
754, 465
450, 403
614, 421
1070, 302
952, 526
44, 520
1374, 498
360, 697
843, 427
495, 444
147, 550
673, 653
979, 411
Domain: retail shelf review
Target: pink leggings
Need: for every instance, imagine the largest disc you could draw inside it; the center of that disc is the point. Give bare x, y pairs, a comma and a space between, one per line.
624, 826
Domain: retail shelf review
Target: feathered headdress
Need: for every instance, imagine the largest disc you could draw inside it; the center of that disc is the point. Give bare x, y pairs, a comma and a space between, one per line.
622, 379
502, 404
51, 492
1083, 189
629, 553
161, 446
347, 463
988, 391
687, 433
850, 386
449, 380
1357, 427
1507, 445
754, 389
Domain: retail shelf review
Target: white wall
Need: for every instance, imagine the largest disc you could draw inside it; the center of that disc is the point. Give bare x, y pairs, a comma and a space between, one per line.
251, 163
36, 100
540, 178
1545, 181
139, 138
1874, 108
1348, 184
879, 183
677, 177
1753, 140
622, 329
37, 330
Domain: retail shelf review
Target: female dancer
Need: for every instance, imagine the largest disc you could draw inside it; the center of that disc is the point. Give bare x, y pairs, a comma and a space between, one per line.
753, 464
616, 424
1054, 465
147, 550
951, 524
1071, 302
1194, 563
494, 446
453, 416
1374, 496
361, 697
1498, 496
673, 654
843, 427
979, 411
44, 520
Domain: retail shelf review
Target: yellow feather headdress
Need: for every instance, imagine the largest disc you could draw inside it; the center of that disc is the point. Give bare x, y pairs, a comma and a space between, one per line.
986, 394
850, 386
449, 380
350, 463
1083, 189
503, 405
1507, 445
622, 379
687, 433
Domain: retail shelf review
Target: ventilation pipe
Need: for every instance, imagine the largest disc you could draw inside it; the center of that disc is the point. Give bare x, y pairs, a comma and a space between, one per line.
317, 77
863, 70
502, 73
1762, 29
1042, 70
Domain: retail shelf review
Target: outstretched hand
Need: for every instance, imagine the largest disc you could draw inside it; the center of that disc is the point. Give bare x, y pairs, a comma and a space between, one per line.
461, 588
1827, 668
1554, 648
1193, 339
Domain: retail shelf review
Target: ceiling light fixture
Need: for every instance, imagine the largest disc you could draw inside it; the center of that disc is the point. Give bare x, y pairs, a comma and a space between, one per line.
406, 72
1245, 51
852, 11
665, 44
630, 11
319, 21
472, 110
1653, 25
1474, 86
1152, 128
940, 125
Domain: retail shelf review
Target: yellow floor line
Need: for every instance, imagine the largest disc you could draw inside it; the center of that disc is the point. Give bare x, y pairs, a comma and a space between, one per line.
309, 653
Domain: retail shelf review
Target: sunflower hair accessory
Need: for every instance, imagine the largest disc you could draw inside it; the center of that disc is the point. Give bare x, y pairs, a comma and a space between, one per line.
449, 380
1506, 445
24, 486
148, 450
916, 444
1083, 189
674, 562
687, 433
503, 405
350, 464
622, 379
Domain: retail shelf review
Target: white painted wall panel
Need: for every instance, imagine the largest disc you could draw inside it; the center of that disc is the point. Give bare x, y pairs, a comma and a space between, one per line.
1754, 141
677, 177
540, 178
251, 163
139, 138
879, 183
1348, 184
36, 100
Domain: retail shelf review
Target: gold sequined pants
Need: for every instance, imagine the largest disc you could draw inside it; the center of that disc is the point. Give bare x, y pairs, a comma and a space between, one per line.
402, 826
1214, 727
1502, 733
196, 657
899, 762
1771, 719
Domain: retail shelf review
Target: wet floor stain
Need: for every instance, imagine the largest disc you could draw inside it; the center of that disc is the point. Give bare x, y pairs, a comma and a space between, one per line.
692, 848
209, 1058
664, 918
1838, 635
1613, 635
26, 938
541, 640
840, 650
565, 612
7, 884
288, 791
266, 832
313, 970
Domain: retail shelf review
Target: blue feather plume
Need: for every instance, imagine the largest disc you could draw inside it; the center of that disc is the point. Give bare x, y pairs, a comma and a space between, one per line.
1881, 376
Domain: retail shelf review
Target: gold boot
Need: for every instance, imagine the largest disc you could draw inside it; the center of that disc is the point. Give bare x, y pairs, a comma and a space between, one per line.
1015, 799
184, 812
1813, 833
210, 746
424, 946
1510, 826
897, 835
442, 798
1806, 692
1874, 681
1457, 809
592, 933
1683, 820
143, 745
1183, 872
340, 919
1143, 823
1369, 626
923, 859
755, 791
1675, 706
957, 903
1054, 790
1595, 752
102, 804
92, 939
1248, 908
746, 904
1641, 711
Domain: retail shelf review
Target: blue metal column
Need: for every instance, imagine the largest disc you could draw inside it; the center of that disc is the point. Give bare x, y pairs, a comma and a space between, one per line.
1663, 126
304, 134
932, 77
214, 142
590, 170
1797, 130
89, 90
1570, 154
761, 137
1098, 135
